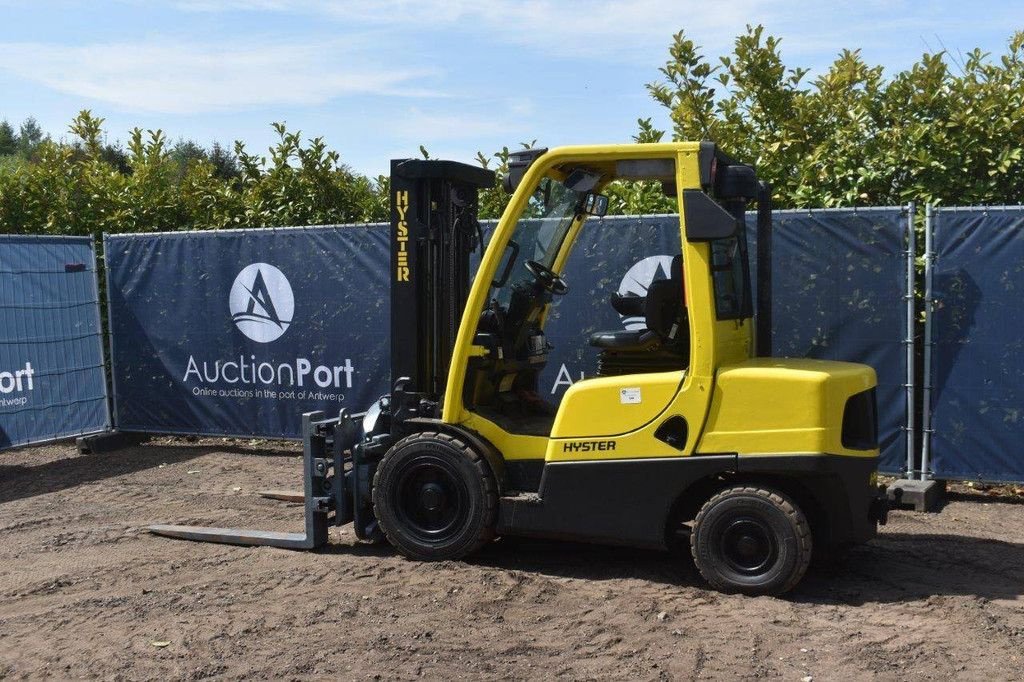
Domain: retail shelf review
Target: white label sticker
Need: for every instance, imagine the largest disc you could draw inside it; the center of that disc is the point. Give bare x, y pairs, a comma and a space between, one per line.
629, 396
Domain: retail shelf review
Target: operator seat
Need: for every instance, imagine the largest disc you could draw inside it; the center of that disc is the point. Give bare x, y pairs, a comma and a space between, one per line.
663, 345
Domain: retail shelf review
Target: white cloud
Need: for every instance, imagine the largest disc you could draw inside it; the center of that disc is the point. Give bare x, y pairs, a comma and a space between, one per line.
417, 124
229, 5
612, 28
632, 30
180, 77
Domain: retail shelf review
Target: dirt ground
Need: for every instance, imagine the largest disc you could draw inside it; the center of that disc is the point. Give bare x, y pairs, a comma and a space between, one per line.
86, 592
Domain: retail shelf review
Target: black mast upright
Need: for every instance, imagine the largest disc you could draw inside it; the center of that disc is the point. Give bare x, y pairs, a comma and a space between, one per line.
434, 229
763, 331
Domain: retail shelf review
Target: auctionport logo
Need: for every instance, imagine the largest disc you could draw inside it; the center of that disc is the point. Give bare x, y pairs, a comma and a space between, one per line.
262, 305
18, 381
636, 281
261, 302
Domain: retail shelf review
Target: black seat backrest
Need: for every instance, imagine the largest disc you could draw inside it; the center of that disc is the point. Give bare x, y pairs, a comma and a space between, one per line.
663, 307
628, 305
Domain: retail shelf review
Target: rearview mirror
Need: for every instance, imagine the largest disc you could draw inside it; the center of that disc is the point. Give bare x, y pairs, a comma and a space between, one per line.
595, 204
705, 219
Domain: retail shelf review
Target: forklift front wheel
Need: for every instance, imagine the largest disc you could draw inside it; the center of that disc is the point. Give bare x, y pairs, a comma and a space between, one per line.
751, 540
435, 497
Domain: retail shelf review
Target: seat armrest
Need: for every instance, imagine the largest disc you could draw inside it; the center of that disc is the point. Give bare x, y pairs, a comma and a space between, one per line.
626, 340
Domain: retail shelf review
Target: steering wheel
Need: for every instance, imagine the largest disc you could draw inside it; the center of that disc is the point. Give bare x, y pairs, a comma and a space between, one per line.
547, 278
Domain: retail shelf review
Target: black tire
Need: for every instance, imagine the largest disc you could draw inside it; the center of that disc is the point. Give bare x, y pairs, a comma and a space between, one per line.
751, 540
435, 497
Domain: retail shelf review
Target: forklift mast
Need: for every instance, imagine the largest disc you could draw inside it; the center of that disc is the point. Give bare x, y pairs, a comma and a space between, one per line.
434, 229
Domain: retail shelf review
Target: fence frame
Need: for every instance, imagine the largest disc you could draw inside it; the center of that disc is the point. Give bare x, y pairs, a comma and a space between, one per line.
98, 303
127, 236
933, 223
112, 402
910, 254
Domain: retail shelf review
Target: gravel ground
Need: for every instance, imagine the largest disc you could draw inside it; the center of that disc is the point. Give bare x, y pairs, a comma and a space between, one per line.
86, 592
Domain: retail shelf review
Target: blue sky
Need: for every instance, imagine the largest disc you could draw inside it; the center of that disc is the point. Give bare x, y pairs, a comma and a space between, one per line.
377, 79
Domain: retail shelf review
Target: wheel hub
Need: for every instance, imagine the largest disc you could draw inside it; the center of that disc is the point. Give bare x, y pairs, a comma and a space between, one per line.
748, 546
432, 500
432, 497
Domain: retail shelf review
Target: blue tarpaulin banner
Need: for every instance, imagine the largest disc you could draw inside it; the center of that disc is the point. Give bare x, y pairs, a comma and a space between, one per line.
978, 352
52, 382
212, 331
240, 332
838, 287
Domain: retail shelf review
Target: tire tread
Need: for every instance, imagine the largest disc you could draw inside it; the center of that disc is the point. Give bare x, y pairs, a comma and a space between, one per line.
487, 532
796, 516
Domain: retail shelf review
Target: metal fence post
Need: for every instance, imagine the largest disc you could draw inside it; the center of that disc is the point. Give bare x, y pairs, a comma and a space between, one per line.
931, 219
908, 341
99, 330
115, 422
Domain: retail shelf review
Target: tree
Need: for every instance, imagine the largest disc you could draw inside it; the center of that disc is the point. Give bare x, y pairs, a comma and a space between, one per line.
8, 139
87, 186
851, 136
494, 199
116, 156
185, 151
303, 184
29, 137
225, 165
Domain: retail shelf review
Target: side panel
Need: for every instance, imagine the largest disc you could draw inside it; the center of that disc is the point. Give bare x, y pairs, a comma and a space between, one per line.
610, 406
631, 502
977, 392
616, 502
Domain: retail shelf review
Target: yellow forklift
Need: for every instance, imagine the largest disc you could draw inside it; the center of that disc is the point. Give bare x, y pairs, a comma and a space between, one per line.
687, 429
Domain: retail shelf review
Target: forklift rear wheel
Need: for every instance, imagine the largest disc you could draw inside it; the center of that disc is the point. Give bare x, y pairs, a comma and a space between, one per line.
435, 497
751, 540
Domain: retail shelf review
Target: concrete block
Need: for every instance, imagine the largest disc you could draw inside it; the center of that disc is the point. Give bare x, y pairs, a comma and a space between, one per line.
100, 443
922, 496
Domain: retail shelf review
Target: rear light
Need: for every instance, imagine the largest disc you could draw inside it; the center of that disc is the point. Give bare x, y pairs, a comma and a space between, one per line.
860, 422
